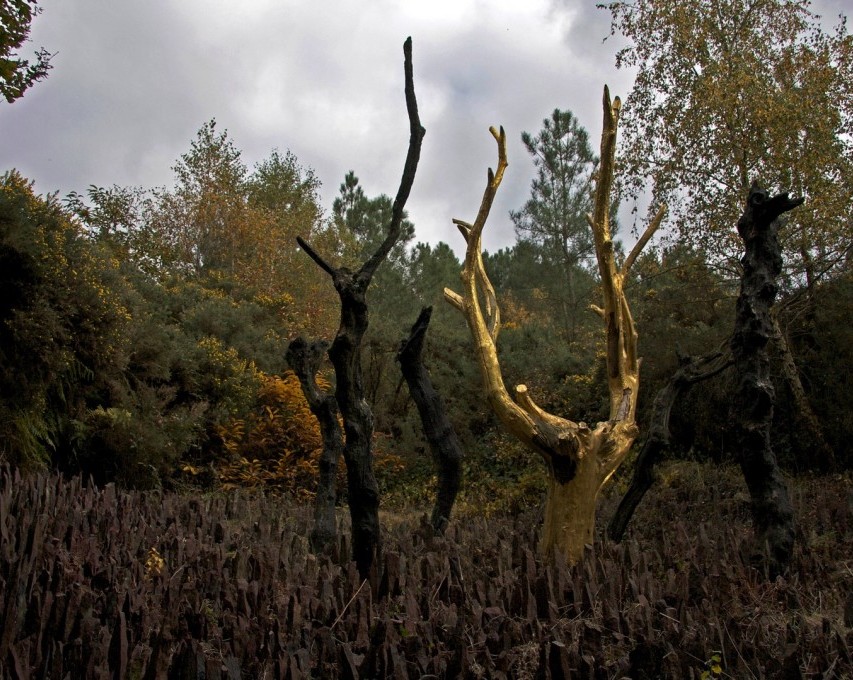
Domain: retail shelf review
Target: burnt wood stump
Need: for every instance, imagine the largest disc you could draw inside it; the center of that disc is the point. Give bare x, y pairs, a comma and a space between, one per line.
438, 430
754, 398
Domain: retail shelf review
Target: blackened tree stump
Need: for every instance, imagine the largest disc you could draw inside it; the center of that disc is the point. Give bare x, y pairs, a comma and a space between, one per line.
754, 398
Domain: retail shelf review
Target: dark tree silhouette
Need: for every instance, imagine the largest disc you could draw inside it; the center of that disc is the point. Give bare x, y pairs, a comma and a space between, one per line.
438, 430
345, 352
305, 360
754, 399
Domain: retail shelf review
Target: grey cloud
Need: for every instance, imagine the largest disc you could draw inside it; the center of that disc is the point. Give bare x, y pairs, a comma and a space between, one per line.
133, 82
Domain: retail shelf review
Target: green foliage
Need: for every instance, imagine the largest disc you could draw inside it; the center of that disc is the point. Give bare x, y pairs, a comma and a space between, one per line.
140, 330
822, 342
367, 219
552, 225
107, 370
200, 220
561, 193
534, 286
231, 229
681, 304
731, 91
62, 321
18, 75
505, 478
431, 269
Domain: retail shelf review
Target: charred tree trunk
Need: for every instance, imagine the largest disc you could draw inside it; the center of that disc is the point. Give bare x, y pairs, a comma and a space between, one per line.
690, 371
345, 352
752, 406
305, 361
442, 439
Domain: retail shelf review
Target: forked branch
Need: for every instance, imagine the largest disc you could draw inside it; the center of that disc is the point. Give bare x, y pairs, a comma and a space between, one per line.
485, 324
580, 459
622, 361
478, 303
365, 274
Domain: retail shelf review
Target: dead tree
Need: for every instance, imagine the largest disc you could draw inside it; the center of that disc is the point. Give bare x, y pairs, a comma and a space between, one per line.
579, 459
305, 360
345, 352
691, 370
754, 399
438, 430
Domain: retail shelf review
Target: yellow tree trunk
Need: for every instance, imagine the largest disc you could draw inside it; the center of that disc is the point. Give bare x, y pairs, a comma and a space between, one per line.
580, 459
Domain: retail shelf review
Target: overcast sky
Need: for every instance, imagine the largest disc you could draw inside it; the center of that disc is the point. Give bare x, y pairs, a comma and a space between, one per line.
133, 81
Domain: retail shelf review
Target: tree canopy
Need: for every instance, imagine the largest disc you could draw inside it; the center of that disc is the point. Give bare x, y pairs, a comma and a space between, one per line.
561, 193
553, 219
18, 75
730, 91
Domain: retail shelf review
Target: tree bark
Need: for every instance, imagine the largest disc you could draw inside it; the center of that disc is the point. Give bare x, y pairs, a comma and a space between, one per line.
690, 371
753, 402
439, 432
305, 360
345, 352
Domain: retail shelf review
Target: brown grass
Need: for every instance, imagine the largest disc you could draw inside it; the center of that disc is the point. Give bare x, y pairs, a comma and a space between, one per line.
239, 593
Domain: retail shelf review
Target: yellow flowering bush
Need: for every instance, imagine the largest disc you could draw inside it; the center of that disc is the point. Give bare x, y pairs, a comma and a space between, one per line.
278, 444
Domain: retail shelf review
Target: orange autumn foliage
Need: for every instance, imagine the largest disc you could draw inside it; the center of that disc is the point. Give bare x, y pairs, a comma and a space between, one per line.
278, 445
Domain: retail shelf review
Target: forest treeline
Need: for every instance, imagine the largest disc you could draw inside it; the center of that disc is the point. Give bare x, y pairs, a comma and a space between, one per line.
144, 335
143, 332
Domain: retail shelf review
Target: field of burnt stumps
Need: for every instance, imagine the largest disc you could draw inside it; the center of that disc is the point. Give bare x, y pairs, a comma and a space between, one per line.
102, 583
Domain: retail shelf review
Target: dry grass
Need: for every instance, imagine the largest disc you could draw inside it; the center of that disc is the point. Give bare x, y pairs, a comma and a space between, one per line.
238, 591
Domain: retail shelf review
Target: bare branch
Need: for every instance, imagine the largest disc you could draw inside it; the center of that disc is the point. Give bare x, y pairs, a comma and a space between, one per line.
484, 326
416, 136
620, 371
493, 312
454, 299
314, 255
643, 240
522, 396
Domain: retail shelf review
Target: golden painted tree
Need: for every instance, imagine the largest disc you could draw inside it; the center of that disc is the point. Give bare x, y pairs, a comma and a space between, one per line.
580, 459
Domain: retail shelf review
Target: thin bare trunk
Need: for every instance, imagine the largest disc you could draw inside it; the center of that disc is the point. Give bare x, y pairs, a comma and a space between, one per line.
305, 360
439, 432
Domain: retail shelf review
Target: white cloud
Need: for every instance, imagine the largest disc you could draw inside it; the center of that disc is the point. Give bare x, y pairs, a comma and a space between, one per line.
133, 81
